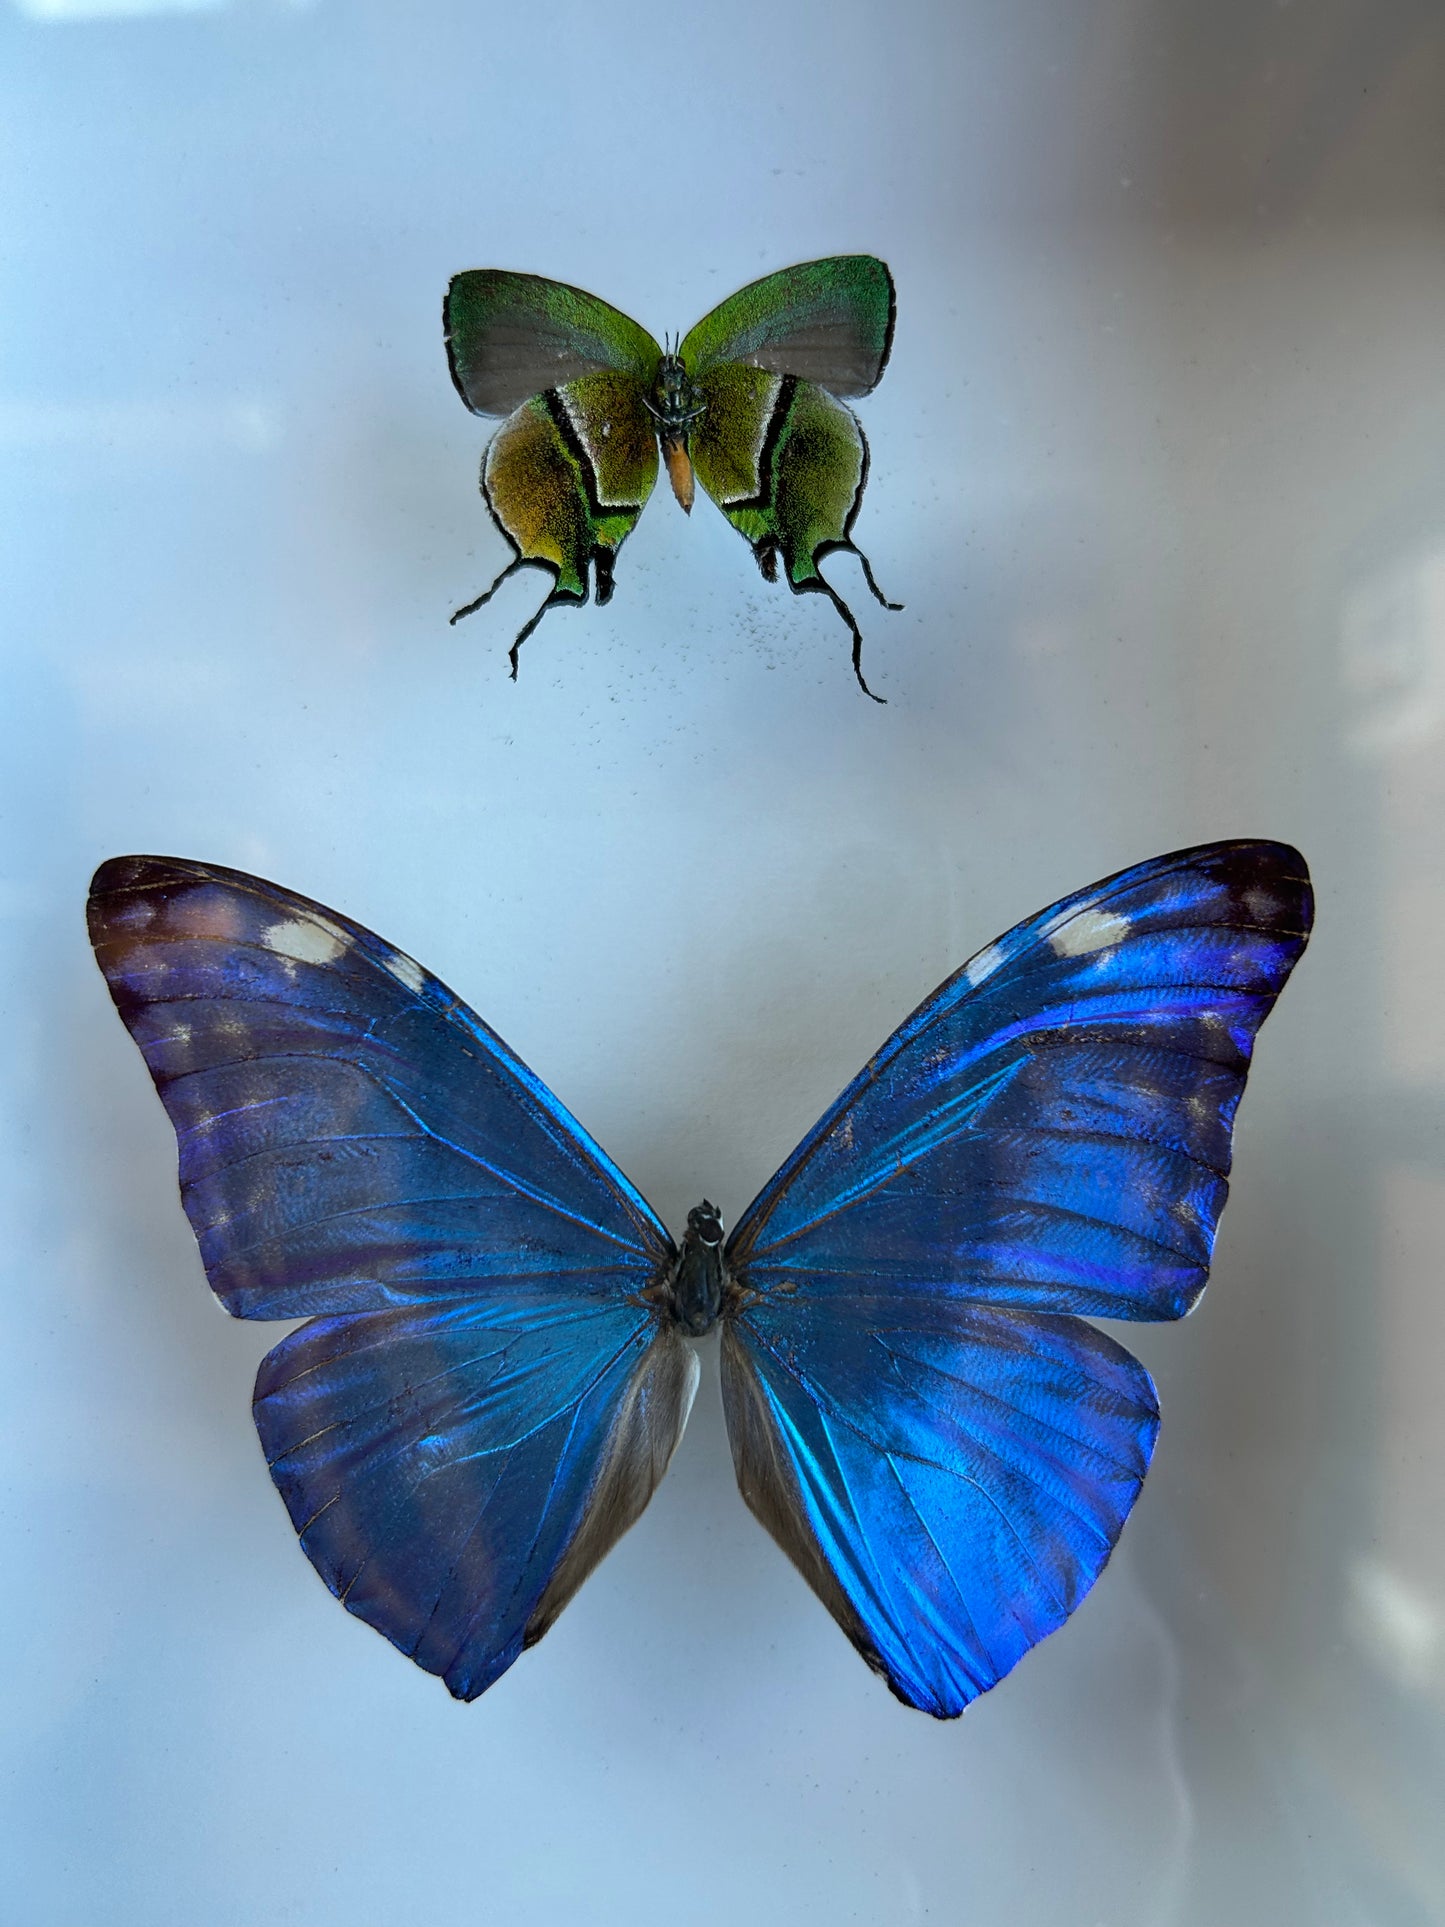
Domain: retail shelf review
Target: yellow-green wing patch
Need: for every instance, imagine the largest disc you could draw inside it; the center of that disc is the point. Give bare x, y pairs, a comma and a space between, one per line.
566, 477
786, 464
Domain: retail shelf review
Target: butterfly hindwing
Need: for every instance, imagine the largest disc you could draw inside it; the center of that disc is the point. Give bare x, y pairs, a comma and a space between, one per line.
786, 464
484, 1399
784, 460
455, 1473
566, 477
950, 1481
910, 1389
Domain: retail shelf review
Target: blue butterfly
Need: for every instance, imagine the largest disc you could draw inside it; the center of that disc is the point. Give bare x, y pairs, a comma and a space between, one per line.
494, 1372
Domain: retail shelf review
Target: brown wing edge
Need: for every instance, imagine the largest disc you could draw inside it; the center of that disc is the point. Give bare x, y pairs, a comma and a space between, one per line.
645, 1434
770, 1491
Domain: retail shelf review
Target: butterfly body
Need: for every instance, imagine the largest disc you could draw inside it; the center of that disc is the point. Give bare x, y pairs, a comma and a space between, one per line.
678, 403
494, 1370
751, 404
696, 1295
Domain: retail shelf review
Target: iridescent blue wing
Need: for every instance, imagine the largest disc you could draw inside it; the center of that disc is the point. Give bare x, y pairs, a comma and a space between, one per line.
485, 1398
917, 1413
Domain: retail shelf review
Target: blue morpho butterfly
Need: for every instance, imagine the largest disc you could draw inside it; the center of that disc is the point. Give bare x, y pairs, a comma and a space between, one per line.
494, 1372
752, 402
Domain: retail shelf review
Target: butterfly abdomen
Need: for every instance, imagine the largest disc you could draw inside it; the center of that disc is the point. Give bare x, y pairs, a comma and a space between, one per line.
677, 403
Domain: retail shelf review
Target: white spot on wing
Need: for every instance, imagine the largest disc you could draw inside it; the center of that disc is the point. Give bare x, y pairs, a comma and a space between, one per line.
983, 965
406, 971
312, 940
1088, 930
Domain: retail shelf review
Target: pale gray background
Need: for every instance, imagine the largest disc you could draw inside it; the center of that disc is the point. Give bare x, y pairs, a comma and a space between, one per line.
1158, 471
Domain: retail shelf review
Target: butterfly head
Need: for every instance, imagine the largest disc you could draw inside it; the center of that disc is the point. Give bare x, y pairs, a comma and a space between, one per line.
676, 403
704, 1224
697, 1285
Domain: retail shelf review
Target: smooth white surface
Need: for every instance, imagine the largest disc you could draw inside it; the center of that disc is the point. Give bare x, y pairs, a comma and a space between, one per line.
1157, 471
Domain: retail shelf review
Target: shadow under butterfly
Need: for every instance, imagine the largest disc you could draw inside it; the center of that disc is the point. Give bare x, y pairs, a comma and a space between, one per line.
495, 1372
752, 403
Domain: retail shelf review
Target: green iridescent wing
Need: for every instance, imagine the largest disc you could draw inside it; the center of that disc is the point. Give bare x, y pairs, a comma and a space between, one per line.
512, 336
827, 322
570, 470
782, 457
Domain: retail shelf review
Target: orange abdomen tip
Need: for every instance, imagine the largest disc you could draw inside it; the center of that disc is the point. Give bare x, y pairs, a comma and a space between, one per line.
679, 473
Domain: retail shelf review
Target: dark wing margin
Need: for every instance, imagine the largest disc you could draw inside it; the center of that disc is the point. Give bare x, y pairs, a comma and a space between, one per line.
512, 336
829, 322
484, 1398
351, 1136
917, 1412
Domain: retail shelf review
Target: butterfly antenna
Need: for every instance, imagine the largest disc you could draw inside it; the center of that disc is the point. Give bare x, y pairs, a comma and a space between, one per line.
472, 607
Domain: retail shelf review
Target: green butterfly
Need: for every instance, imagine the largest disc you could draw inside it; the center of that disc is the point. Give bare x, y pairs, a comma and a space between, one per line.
749, 403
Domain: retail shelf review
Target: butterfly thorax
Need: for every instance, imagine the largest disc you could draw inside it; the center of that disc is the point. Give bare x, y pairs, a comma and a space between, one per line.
700, 1278
676, 403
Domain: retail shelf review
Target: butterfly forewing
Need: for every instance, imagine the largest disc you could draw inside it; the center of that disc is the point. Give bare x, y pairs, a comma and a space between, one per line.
827, 322
1052, 1128
1048, 1135
354, 1143
512, 336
